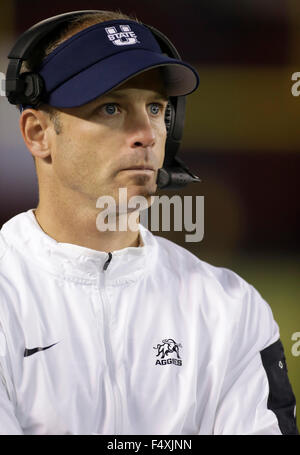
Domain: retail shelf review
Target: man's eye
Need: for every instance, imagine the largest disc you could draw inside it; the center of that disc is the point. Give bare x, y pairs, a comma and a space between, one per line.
110, 108
156, 108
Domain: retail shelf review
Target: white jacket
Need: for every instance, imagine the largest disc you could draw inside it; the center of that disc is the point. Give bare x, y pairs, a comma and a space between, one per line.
158, 343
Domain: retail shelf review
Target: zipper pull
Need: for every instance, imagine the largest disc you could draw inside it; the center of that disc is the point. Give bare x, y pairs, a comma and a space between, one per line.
107, 262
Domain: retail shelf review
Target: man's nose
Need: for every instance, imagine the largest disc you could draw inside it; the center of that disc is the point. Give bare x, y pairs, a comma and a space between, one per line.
141, 130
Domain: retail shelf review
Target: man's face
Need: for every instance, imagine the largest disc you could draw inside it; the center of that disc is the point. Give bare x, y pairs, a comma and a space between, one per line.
103, 140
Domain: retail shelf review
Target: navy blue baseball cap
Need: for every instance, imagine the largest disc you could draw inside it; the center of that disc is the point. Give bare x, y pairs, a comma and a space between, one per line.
105, 55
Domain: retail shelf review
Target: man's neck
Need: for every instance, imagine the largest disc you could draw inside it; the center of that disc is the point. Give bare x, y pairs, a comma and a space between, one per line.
79, 228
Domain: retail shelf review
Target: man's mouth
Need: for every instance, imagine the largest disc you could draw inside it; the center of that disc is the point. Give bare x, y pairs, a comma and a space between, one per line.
139, 168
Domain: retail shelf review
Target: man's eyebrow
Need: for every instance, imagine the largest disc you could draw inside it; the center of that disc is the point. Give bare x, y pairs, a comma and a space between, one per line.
116, 94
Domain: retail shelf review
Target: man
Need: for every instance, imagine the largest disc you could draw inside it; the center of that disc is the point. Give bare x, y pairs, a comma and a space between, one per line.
122, 332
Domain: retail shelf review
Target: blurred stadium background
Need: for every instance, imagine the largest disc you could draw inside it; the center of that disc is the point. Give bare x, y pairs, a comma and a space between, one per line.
242, 135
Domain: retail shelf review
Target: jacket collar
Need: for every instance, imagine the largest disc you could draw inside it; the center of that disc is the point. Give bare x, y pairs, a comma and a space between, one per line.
74, 262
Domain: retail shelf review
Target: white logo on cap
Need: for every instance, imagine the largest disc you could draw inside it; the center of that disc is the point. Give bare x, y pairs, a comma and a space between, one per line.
123, 38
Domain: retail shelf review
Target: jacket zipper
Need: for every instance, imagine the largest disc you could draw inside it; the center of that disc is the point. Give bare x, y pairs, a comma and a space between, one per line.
110, 358
107, 262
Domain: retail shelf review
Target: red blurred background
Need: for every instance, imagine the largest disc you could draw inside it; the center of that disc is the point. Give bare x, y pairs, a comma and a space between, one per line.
241, 134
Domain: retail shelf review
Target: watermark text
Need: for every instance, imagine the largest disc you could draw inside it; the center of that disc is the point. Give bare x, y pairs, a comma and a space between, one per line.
296, 346
125, 214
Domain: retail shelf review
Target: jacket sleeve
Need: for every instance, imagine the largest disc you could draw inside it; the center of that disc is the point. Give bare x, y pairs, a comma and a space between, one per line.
256, 397
9, 424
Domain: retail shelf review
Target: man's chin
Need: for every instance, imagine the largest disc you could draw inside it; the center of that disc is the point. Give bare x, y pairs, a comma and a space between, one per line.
145, 191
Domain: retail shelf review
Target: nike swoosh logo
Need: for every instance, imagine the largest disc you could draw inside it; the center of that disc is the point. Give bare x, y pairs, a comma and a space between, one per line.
28, 352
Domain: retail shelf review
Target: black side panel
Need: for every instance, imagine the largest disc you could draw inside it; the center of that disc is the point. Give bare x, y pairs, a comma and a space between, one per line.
281, 399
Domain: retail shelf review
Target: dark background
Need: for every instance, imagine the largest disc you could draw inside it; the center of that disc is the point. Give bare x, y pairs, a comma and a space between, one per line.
242, 134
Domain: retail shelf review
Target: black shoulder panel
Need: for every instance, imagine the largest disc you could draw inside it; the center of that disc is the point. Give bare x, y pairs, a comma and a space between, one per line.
281, 398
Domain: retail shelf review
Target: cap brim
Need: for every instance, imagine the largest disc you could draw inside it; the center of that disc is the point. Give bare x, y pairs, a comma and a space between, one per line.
180, 78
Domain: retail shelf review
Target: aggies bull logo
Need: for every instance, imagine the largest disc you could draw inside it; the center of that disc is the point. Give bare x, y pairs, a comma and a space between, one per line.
168, 347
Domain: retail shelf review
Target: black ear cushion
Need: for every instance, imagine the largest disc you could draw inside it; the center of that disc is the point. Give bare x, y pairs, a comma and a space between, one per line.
169, 117
34, 86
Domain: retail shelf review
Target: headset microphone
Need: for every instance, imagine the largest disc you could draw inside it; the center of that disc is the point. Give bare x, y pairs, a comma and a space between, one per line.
176, 176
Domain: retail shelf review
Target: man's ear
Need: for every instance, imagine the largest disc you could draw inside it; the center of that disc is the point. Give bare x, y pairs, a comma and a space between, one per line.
35, 127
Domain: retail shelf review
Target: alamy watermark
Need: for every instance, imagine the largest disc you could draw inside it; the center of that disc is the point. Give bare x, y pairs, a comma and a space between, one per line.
295, 89
127, 213
2, 84
296, 346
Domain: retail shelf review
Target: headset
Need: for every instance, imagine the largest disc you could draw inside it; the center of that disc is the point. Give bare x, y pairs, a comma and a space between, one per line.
28, 89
